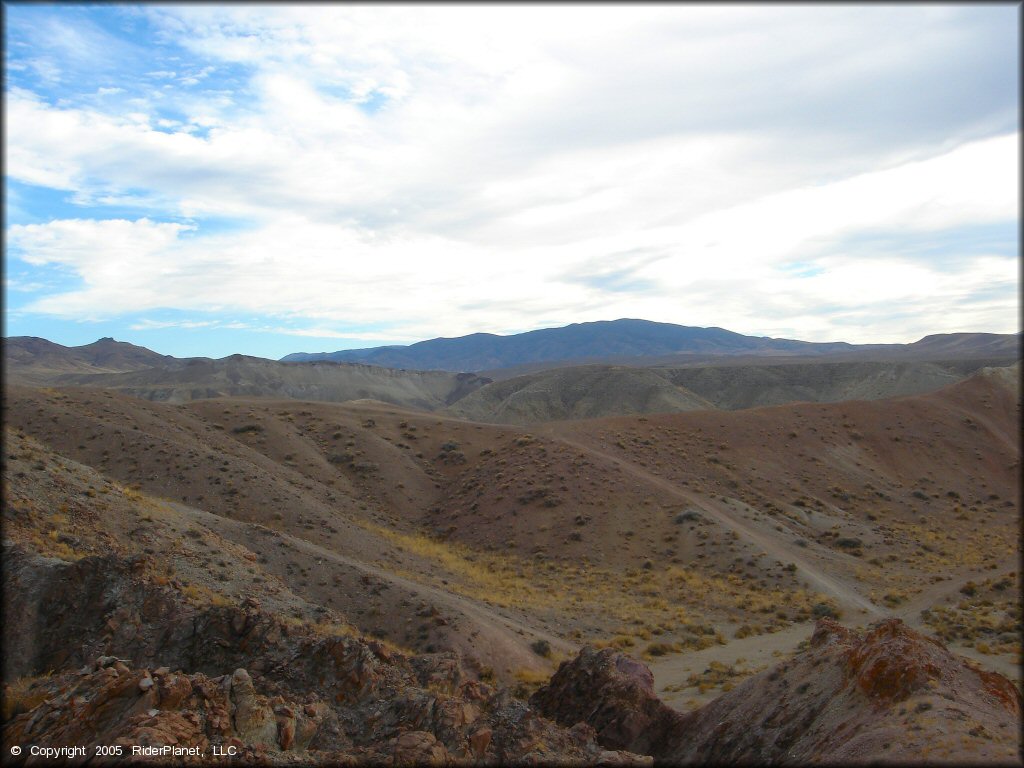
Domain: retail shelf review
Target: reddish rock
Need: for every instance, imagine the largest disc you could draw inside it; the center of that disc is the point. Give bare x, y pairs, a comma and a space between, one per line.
479, 740
887, 694
418, 748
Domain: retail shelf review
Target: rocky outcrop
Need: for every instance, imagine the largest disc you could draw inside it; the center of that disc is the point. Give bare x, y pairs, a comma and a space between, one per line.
887, 694
244, 679
197, 718
613, 694
108, 703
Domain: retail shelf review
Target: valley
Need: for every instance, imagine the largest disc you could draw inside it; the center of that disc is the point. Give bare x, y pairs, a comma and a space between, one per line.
706, 542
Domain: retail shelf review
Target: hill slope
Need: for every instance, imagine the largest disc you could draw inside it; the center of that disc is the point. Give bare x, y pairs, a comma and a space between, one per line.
199, 533
28, 359
142, 373
581, 392
240, 375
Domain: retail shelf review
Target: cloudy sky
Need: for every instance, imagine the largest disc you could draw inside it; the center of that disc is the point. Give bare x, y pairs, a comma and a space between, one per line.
209, 179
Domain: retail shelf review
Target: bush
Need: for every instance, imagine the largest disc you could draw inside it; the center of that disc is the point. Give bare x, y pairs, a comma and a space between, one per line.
821, 610
660, 649
541, 648
687, 516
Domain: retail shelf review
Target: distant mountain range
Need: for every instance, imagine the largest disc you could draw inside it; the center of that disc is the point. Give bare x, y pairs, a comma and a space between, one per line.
588, 370
647, 342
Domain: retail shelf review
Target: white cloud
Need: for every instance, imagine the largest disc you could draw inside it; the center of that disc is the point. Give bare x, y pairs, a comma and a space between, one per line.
718, 263
505, 165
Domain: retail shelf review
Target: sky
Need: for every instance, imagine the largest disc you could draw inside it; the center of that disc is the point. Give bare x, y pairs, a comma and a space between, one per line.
209, 179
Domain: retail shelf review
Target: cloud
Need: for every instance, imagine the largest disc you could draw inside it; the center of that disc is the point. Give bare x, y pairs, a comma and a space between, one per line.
345, 275
453, 169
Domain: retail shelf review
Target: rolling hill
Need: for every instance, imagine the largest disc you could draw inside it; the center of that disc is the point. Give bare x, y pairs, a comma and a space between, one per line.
29, 359
408, 574
581, 392
142, 373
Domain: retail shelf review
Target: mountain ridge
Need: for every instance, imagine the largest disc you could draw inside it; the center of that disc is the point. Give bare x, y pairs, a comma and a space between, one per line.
628, 338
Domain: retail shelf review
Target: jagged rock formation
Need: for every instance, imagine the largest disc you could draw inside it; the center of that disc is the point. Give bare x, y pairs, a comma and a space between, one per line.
159, 671
887, 694
137, 665
234, 718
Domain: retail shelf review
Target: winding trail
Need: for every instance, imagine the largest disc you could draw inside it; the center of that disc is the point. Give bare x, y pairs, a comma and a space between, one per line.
782, 549
507, 633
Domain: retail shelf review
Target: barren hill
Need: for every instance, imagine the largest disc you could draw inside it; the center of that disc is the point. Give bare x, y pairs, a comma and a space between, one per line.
829, 487
974, 344
290, 523
580, 392
28, 359
244, 376
142, 373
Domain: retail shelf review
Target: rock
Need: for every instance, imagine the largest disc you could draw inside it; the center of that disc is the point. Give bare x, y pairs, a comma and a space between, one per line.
253, 720
419, 748
845, 698
285, 731
479, 741
615, 692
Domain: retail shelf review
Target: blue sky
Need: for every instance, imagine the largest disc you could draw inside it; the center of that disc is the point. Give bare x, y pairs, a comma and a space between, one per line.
207, 179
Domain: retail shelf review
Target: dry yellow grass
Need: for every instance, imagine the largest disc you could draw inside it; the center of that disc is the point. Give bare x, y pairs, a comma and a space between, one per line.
23, 695
643, 602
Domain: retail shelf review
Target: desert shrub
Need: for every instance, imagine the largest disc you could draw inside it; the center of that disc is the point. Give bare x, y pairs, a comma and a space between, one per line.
24, 695
541, 648
247, 428
744, 631
661, 649
848, 542
528, 681
822, 610
689, 515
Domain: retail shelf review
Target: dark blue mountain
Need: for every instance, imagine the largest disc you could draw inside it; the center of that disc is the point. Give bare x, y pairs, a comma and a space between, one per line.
579, 341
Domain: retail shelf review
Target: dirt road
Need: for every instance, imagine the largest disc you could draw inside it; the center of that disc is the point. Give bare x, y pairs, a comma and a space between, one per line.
764, 536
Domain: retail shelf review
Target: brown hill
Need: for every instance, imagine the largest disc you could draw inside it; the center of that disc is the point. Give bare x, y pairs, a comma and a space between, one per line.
31, 360
972, 344
142, 373
748, 386
583, 392
242, 376
888, 694
822, 502
672, 535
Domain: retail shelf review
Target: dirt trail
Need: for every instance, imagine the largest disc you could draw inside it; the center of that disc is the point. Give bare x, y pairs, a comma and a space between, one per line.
756, 653
506, 636
762, 536
911, 611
